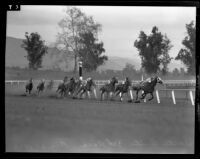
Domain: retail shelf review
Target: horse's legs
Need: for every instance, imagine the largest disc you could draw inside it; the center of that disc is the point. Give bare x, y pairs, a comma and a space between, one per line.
121, 95
143, 95
102, 92
111, 95
82, 93
136, 95
117, 93
88, 92
151, 96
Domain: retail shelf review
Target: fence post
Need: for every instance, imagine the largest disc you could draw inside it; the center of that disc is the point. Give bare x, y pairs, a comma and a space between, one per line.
191, 97
131, 93
95, 93
157, 96
173, 97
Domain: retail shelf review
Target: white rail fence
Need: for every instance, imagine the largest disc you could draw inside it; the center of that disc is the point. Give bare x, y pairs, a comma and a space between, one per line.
102, 82
167, 83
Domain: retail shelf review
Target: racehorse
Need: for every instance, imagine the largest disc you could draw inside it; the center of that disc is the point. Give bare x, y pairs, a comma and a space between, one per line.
40, 87
73, 86
123, 88
61, 89
109, 87
147, 87
29, 86
86, 88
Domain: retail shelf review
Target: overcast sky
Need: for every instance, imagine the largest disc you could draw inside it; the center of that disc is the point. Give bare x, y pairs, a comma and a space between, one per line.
120, 25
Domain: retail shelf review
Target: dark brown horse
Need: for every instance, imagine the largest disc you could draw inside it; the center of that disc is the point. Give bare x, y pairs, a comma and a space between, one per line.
86, 88
109, 87
123, 88
40, 87
147, 87
29, 86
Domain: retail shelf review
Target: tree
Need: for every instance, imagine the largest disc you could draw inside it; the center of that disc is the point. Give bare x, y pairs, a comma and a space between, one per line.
153, 50
187, 54
35, 48
165, 59
74, 23
90, 51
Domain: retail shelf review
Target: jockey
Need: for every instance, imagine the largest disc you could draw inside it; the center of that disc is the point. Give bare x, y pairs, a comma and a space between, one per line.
148, 79
127, 80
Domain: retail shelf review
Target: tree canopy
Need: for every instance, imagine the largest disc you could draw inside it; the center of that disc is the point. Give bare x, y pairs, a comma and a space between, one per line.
90, 52
35, 48
153, 50
74, 24
188, 54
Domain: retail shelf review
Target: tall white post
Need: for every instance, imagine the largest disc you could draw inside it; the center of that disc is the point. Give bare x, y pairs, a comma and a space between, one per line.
131, 93
157, 96
95, 93
89, 94
143, 91
191, 97
173, 97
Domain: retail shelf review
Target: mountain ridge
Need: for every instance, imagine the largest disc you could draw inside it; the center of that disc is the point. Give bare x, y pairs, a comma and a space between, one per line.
16, 57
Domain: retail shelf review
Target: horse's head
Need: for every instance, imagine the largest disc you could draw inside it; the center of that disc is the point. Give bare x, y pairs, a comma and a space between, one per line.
159, 80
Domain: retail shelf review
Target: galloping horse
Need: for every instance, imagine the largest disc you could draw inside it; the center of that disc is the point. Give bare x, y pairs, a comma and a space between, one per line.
109, 87
123, 88
40, 86
147, 87
61, 89
73, 86
86, 88
29, 86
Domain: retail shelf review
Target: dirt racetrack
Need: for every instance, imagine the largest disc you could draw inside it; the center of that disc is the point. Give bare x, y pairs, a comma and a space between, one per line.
51, 124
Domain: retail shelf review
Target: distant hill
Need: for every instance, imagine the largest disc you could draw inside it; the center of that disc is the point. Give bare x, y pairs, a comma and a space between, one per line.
118, 63
15, 56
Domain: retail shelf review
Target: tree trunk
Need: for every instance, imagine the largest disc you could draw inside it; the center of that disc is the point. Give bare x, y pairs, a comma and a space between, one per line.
75, 63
